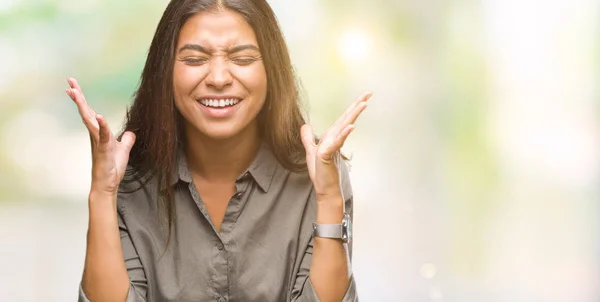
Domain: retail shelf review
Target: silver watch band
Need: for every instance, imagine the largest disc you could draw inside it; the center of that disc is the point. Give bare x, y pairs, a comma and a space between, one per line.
328, 230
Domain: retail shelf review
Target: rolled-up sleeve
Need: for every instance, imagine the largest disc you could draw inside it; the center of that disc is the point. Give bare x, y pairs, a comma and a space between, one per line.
138, 286
309, 294
303, 290
132, 295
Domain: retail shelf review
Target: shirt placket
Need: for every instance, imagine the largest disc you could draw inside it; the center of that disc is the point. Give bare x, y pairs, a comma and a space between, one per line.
222, 239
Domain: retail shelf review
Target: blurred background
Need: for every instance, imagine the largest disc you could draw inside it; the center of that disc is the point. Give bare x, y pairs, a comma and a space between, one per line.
476, 168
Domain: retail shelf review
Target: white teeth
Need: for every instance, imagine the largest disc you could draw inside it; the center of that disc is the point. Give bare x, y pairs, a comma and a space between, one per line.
219, 103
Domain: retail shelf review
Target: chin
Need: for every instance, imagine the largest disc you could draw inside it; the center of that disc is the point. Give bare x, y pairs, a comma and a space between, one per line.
219, 132
199, 127
219, 135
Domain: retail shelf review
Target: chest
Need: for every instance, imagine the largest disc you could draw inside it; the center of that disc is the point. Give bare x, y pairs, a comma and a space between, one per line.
215, 199
254, 257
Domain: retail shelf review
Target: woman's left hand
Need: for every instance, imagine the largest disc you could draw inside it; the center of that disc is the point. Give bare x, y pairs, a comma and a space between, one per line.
322, 159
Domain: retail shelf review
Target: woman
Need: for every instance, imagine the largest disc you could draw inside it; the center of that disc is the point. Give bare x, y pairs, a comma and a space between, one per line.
227, 193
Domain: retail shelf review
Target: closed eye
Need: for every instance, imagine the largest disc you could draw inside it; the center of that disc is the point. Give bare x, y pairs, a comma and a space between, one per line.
194, 60
244, 60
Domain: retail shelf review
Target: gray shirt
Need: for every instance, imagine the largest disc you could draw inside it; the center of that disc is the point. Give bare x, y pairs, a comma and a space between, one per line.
262, 252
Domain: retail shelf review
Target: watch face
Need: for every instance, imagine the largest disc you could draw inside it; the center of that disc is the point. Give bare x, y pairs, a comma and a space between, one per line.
347, 228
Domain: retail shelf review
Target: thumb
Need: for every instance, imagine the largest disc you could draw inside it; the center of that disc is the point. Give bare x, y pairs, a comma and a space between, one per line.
308, 137
127, 140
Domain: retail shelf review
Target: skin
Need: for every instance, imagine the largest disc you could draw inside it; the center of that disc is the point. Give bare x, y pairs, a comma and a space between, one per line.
218, 151
218, 55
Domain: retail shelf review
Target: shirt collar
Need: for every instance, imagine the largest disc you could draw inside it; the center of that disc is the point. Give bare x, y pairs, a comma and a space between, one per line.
262, 168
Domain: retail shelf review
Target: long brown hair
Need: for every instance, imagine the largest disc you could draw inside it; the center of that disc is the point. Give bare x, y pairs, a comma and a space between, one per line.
158, 125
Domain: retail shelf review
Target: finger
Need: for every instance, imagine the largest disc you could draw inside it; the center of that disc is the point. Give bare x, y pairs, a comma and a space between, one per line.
127, 140
341, 139
342, 121
93, 141
86, 114
361, 98
329, 150
104, 133
336, 130
365, 96
308, 140
353, 116
75, 85
308, 137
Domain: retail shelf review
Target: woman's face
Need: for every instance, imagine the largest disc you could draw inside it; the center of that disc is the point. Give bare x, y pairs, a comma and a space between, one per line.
219, 79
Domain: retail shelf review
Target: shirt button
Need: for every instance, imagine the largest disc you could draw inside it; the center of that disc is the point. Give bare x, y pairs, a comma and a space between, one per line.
220, 245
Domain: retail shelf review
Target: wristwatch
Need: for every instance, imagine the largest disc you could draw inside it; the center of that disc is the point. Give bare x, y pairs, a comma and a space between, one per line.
341, 231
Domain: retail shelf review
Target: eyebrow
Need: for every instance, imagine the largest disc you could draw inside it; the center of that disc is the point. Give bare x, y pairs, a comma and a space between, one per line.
235, 49
242, 47
195, 47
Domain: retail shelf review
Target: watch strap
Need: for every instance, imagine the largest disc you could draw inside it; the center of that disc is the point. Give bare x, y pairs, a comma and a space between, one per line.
334, 231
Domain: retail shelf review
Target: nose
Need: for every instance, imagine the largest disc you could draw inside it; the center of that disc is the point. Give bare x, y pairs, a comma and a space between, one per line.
219, 75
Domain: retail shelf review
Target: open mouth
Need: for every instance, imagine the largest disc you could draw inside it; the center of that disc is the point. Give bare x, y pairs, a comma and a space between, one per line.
220, 103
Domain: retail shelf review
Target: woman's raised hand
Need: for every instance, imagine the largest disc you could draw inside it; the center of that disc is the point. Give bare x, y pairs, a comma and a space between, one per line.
109, 156
321, 157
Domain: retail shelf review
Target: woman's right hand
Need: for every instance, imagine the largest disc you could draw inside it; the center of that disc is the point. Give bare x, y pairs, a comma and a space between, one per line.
109, 156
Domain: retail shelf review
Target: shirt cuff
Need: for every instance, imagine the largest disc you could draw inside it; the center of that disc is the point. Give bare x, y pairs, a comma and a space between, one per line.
350, 296
132, 295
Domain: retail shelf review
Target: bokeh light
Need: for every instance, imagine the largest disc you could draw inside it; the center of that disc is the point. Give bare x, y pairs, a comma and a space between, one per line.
354, 45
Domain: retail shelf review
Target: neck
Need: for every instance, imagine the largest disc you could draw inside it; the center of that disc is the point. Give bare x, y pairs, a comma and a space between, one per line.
221, 160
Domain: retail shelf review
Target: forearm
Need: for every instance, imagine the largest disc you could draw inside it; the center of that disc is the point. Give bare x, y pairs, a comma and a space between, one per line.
329, 268
105, 276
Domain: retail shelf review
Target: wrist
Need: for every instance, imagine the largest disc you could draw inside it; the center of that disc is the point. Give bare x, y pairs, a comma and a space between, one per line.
98, 193
101, 197
332, 197
330, 211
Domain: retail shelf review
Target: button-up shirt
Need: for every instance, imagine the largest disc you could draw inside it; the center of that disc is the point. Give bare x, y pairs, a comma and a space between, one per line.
262, 251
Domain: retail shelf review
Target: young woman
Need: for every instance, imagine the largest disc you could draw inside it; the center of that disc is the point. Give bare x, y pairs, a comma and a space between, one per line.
217, 190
